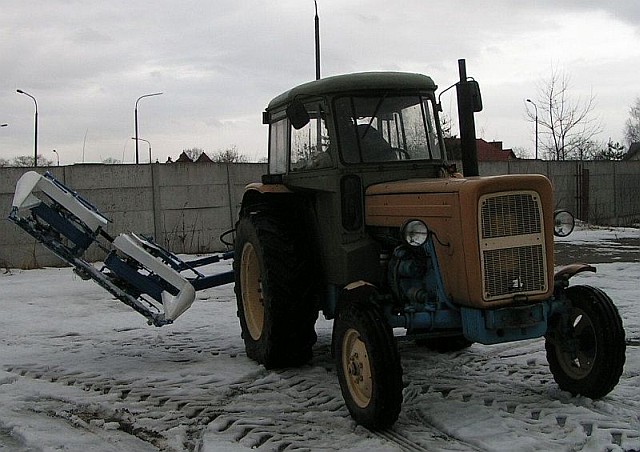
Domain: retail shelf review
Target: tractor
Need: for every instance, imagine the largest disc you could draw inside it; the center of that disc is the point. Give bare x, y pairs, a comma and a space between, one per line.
362, 217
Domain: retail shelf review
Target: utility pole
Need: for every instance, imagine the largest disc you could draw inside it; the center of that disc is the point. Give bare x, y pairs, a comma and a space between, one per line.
536, 107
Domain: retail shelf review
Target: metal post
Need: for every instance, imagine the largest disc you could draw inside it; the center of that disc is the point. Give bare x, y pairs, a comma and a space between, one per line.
146, 141
57, 155
536, 107
136, 122
35, 133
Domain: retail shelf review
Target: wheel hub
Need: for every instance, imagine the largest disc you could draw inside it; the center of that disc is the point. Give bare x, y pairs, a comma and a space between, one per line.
578, 359
357, 368
252, 299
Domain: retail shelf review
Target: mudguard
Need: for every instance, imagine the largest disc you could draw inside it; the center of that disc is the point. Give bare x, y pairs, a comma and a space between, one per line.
566, 272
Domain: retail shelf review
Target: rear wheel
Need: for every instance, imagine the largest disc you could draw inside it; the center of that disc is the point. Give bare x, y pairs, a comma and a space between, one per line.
586, 347
368, 364
274, 291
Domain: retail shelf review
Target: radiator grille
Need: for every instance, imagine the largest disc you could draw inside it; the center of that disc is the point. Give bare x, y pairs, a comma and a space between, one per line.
512, 245
514, 270
510, 214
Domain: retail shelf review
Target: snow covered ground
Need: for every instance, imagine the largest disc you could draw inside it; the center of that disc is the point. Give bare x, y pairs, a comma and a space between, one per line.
80, 371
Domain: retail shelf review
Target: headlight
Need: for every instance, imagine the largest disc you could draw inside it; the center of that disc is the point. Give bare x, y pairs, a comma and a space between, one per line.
415, 232
563, 223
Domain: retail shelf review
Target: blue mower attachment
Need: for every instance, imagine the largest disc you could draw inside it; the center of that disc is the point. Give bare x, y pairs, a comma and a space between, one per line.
137, 271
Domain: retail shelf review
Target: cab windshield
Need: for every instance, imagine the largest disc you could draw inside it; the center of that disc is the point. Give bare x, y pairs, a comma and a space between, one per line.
386, 128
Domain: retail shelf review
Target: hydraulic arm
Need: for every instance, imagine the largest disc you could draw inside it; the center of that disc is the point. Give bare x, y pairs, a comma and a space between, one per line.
137, 271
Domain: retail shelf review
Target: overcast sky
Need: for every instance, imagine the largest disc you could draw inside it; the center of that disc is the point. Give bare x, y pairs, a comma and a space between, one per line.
220, 63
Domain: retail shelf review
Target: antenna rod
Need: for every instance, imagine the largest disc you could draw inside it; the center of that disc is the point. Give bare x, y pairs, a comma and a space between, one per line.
317, 21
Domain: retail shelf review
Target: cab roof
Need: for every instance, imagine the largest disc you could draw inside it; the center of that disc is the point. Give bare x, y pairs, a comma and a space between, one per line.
360, 81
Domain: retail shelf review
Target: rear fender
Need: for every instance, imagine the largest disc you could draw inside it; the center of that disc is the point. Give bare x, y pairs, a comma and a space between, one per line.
254, 193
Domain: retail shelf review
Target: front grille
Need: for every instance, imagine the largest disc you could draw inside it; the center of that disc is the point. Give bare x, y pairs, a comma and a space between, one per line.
510, 214
512, 245
514, 270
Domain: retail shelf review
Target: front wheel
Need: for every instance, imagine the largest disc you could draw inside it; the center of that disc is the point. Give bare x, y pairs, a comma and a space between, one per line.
586, 347
368, 364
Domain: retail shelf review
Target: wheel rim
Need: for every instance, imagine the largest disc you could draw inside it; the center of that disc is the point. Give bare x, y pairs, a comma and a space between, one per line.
357, 368
578, 362
252, 300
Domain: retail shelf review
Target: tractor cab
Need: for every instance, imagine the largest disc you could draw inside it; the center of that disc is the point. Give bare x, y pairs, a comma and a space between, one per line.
380, 120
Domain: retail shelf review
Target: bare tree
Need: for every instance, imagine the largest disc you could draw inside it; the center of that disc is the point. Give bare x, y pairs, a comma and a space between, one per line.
632, 126
27, 161
229, 155
566, 126
446, 124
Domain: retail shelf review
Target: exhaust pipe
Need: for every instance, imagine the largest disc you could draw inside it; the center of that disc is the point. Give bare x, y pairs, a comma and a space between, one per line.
469, 101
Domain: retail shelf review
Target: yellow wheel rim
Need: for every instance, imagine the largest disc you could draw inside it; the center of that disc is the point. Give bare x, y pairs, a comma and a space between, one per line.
252, 300
357, 368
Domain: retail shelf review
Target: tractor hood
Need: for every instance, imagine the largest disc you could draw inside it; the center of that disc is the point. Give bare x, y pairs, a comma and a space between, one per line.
491, 233
393, 203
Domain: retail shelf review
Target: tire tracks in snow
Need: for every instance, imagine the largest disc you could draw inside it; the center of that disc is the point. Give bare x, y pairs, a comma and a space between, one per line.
302, 409
291, 409
511, 383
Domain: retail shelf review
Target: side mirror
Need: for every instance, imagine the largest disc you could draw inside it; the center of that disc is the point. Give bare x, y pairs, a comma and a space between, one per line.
476, 97
298, 115
563, 223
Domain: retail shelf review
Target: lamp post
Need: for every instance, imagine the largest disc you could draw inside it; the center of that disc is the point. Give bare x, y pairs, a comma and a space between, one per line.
536, 107
57, 155
35, 133
146, 141
136, 121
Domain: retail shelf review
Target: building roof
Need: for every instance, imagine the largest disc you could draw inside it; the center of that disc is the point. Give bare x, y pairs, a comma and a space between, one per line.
633, 153
184, 158
204, 158
493, 152
487, 151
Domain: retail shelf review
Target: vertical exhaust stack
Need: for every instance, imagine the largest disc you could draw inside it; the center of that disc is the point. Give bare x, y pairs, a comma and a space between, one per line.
468, 102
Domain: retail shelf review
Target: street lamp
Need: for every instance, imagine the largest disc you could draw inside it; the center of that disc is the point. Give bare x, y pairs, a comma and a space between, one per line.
35, 140
142, 139
136, 121
536, 107
57, 155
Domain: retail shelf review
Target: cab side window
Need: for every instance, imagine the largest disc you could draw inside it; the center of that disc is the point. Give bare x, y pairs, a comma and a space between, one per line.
278, 143
310, 144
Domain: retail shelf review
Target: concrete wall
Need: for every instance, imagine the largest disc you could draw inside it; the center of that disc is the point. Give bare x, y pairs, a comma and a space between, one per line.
183, 206
612, 194
187, 206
